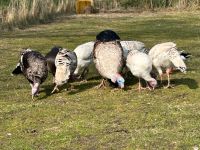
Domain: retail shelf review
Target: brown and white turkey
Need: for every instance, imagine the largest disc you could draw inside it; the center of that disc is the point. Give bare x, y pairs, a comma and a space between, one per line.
166, 56
34, 67
108, 59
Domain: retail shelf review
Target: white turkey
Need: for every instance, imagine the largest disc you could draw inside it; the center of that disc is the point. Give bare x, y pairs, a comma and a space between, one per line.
84, 58
34, 67
140, 65
166, 56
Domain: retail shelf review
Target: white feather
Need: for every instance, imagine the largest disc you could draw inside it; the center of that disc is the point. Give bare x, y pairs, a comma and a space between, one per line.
84, 56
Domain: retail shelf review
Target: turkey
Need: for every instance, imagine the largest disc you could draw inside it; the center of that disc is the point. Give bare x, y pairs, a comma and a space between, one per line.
129, 46
34, 67
108, 59
66, 63
107, 35
84, 58
140, 66
165, 56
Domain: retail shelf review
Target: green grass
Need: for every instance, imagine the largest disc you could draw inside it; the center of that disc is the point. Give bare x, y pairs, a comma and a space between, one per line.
88, 118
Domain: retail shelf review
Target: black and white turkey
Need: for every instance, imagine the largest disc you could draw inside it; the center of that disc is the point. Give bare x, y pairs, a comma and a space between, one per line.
34, 67
65, 63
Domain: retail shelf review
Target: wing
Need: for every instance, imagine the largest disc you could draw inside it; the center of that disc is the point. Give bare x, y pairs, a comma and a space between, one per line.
35, 66
73, 61
175, 58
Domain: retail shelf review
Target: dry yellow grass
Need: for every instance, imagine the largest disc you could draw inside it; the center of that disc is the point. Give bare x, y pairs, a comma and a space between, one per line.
21, 12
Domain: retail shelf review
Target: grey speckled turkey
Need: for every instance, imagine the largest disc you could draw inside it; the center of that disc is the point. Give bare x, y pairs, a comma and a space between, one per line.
108, 59
34, 67
66, 63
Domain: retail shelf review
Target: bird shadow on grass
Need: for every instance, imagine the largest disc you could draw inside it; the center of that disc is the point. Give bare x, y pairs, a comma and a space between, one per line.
83, 87
94, 81
191, 83
49, 88
94, 78
130, 80
46, 89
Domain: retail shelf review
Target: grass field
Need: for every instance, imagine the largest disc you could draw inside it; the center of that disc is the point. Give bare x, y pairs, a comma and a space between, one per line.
87, 118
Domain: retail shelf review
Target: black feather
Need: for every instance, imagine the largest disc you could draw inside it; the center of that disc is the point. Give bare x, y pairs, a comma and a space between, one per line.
107, 35
185, 55
50, 58
17, 70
